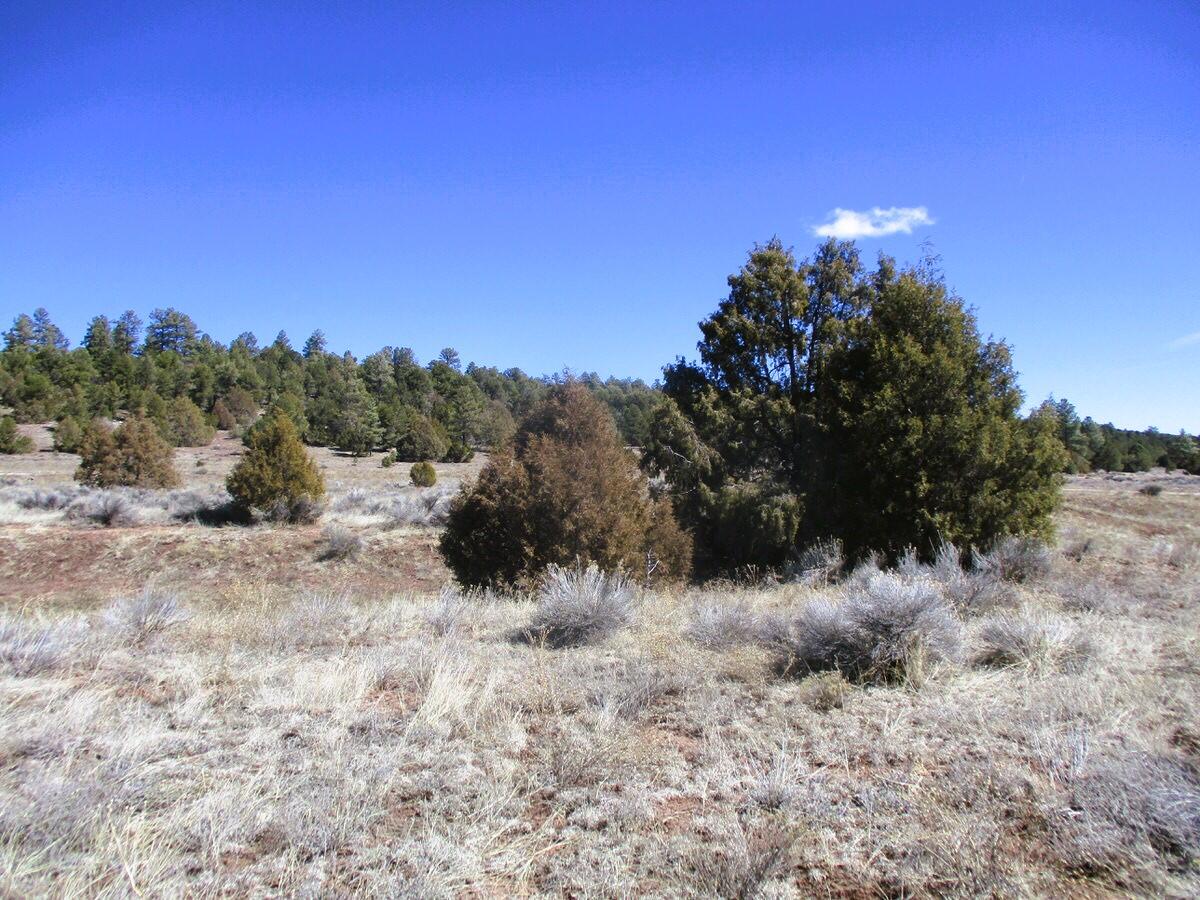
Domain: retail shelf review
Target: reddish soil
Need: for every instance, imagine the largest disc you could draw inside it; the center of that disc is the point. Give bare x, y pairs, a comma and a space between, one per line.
80, 567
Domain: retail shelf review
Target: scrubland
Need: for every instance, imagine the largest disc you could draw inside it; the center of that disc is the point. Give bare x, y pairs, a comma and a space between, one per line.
1028, 727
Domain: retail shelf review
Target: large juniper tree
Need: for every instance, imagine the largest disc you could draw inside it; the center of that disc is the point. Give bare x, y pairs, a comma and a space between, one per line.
831, 401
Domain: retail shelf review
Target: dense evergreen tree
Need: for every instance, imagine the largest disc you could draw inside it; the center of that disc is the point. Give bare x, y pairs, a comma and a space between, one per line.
275, 473
566, 491
830, 401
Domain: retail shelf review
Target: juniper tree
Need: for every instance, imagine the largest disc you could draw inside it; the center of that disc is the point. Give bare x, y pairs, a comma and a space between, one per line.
566, 491
275, 473
829, 401
134, 455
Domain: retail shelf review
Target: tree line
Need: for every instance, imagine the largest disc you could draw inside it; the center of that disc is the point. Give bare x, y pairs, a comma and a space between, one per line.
188, 384
1091, 446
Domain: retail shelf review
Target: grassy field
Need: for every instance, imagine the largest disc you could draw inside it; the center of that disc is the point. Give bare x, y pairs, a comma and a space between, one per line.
48, 561
201, 711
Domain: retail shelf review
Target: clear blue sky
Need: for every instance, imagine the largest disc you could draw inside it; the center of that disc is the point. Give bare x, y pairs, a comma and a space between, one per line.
568, 185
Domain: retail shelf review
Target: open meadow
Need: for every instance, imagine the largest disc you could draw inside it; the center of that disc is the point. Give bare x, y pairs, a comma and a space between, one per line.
197, 709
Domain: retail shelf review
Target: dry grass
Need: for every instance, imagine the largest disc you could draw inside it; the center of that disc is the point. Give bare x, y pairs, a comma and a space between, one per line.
328, 739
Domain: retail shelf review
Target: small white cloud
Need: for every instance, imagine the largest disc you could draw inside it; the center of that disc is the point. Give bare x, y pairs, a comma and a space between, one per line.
1186, 341
847, 224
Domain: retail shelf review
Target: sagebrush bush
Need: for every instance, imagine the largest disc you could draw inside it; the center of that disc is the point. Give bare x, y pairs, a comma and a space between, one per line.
134, 455
719, 625
887, 630
340, 543
423, 474
11, 439
567, 490
388, 460
135, 620
1126, 813
972, 592
1017, 558
27, 649
580, 606
106, 508
276, 475
302, 510
48, 498
1023, 640
818, 563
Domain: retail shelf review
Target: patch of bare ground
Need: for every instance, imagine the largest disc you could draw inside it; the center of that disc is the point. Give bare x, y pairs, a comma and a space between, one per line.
264, 722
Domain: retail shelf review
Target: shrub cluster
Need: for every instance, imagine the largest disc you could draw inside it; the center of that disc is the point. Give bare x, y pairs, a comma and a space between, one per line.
566, 491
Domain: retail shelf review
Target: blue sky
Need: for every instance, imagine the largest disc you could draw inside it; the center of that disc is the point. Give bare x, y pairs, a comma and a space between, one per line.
568, 185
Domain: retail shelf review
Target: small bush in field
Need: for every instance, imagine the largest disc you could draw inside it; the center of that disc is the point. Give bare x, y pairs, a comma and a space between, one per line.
971, 592
276, 474
819, 563
341, 543
899, 626
11, 439
423, 474
580, 606
1151, 490
717, 626
27, 649
68, 434
825, 691
887, 630
134, 620
389, 459
1015, 640
134, 455
303, 510
105, 508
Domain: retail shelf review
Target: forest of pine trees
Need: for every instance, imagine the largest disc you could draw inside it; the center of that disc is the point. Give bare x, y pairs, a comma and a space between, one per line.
188, 383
